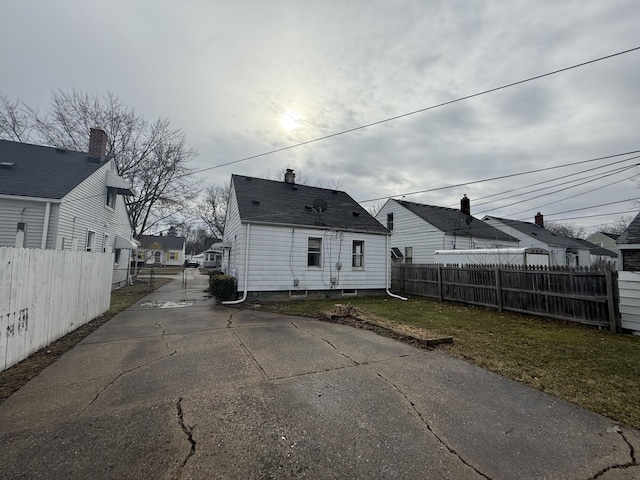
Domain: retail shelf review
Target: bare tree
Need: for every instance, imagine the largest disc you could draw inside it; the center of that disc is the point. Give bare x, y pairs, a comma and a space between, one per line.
212, 210
14, 120
152, 156
566, 229
616, 227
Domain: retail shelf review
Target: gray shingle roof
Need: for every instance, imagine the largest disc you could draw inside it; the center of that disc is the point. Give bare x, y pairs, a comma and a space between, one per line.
632, 233
453, 221
44, 172
539, 233
596, 249
168, 242
274, 202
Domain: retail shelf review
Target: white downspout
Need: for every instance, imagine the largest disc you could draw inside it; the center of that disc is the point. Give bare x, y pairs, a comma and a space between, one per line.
386, 269
45, 226
246, 271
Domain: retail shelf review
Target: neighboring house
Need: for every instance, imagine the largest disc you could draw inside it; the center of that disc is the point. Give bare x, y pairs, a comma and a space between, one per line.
418, 230
605, 240
563, 251
52, 198
629, 276
284, 240
599, 256
212, 256
162, 250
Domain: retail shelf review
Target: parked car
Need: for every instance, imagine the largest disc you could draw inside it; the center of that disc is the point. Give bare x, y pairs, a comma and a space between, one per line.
193, 264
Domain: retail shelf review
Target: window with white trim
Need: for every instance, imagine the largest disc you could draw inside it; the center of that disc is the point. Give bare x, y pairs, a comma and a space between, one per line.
408, 254
91, 241
390, 221
105, 242
357, 254
314, 252
111, 197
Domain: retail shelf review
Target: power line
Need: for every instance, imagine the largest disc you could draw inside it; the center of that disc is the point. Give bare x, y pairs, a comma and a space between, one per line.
501, 177
460, 99
616, 170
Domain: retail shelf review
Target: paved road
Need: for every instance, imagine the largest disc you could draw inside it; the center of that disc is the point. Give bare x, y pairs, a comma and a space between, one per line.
179, 388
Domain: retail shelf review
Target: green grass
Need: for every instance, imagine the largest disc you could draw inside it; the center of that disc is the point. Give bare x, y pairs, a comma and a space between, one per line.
592, 368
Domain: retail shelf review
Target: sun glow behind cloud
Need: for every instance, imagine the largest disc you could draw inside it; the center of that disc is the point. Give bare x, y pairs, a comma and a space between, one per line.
290, 120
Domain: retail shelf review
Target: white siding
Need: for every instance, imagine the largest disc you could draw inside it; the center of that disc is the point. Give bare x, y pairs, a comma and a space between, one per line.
557, 254
23, 210
409, 230
233, 260
629, 288
278, 257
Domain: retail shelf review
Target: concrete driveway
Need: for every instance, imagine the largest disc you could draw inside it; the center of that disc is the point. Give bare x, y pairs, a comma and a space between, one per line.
178, 388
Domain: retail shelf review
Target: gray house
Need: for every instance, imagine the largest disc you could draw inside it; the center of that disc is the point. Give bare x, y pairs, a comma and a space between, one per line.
52, 198
418, 230
563, 251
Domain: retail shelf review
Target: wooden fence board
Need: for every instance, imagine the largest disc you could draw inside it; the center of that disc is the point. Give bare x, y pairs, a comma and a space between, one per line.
582, 295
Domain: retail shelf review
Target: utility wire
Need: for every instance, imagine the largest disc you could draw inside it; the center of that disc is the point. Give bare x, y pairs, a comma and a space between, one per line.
616, 170
460, 99
501, 177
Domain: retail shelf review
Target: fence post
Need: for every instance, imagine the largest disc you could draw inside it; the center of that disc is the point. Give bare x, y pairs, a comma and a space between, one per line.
498, 289
440, 296
611, 298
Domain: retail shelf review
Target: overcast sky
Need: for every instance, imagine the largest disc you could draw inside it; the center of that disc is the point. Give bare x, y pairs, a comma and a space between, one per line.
244, 77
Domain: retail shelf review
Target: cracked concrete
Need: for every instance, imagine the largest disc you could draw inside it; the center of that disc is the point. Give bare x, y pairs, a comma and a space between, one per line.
205, 391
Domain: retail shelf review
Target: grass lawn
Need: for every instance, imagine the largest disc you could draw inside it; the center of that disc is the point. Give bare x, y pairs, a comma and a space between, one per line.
595, 369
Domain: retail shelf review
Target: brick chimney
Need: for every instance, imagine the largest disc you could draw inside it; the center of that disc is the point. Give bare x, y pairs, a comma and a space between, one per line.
290, 177
465, 205
97, 145
539, 220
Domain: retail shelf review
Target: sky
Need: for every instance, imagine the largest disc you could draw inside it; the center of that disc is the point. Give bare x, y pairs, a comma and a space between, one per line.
246, 77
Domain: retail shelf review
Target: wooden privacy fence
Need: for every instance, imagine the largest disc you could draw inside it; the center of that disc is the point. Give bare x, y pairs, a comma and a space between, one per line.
577, 295
45, 294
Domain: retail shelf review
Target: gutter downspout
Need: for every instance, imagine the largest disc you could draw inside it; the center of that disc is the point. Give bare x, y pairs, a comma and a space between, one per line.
386, 269
246, 271
45, 225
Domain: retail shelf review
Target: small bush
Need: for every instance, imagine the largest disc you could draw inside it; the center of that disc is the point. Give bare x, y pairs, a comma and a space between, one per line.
223, 287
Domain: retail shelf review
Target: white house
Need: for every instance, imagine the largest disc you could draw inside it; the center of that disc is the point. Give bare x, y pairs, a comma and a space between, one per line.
629, 276
418, 230
52, 198
284, 240
563, 251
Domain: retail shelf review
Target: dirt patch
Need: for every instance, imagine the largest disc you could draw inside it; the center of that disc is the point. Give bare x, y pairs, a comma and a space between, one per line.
356, 317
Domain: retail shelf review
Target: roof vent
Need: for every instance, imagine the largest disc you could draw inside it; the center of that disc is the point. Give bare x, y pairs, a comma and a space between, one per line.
255, 202
355, 214
61, 149
7, 165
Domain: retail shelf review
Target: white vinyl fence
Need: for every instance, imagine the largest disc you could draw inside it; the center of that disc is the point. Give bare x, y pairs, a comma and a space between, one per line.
45, 294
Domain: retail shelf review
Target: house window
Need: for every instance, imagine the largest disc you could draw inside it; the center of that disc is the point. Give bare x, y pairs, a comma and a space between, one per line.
21, 235
105, 243
91, 241
157, 257
314, 252
173, 255
390, 221
116, 255
408, 254
111, 197
357, 254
